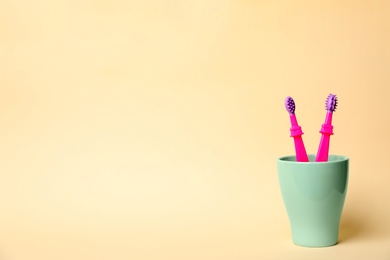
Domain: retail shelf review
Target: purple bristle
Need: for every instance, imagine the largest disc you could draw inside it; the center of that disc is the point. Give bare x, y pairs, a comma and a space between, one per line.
290, 105
331, 103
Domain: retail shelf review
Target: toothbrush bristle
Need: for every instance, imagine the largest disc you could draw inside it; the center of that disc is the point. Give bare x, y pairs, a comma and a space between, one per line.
331, 103
290, 105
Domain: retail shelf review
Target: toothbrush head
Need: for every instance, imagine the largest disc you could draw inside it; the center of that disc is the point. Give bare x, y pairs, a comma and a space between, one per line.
290, 105
331, 103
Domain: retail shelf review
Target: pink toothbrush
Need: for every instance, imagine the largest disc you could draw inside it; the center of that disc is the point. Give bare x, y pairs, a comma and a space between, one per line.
296, 132
327, 129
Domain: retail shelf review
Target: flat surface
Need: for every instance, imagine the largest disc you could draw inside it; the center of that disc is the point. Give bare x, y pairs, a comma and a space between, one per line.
150, 129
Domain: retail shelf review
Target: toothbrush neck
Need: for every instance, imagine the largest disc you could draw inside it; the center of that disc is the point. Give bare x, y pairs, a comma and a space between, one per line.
328, 119
293, 120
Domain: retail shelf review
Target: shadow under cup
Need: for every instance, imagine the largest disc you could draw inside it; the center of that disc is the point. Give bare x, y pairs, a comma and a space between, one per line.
314, 195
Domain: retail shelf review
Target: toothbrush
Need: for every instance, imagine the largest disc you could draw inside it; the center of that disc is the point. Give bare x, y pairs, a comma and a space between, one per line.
327, 129
296, 132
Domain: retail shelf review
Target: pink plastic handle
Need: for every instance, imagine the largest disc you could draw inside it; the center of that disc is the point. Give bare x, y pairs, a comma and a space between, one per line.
300, 150
296, 133
326, 131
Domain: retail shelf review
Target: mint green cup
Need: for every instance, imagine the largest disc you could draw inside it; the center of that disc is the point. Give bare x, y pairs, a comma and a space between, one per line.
314, 195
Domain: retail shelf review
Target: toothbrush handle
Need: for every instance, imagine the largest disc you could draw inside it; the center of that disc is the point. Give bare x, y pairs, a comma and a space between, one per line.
300, 151
326, 131
296, 133
323, 149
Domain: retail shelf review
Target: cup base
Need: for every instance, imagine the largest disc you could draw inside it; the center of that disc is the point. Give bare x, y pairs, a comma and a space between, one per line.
314, 245
324, 236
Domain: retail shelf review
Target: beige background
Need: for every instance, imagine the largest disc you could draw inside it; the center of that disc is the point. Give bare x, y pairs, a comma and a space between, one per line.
150, 129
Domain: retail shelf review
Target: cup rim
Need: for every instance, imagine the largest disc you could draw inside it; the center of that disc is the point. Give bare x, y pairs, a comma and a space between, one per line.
333, 158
